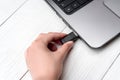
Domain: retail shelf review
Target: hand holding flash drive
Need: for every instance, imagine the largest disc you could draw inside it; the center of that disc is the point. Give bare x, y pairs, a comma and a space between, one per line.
70, 37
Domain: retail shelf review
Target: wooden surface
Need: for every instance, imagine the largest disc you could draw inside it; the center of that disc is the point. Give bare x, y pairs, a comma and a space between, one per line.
8, 8
35, 17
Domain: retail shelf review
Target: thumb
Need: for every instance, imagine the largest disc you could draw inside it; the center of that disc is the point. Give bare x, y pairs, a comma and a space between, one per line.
64, 50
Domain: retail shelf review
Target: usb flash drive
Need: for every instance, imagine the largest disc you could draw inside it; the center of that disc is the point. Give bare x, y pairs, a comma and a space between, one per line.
70, 37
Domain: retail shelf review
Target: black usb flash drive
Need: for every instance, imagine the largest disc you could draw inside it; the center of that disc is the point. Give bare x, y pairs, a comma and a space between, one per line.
70, 37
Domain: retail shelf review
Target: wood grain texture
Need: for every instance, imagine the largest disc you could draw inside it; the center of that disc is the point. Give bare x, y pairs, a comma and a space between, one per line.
85, 63
18, 33
114, 72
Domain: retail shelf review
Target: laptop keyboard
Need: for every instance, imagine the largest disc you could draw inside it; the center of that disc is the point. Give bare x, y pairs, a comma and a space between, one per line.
71, 6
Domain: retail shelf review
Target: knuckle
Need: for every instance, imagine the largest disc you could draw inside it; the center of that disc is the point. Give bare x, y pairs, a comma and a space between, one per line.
50, 32
36, 41
42, 34
40, 38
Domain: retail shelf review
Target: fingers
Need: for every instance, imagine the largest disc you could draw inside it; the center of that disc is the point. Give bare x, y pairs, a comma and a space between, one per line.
64, 50
49, 37
54, 36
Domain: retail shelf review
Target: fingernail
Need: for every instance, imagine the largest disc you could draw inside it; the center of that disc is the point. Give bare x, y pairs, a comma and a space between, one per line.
70, 42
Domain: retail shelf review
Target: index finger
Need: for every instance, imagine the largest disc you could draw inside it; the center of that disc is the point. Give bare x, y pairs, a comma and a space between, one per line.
54, 36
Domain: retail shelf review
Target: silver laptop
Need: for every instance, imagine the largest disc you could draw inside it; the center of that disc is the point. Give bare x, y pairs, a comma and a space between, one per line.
96, 21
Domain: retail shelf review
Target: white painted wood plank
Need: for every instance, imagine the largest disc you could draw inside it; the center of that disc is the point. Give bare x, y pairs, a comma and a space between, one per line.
8, 7
19, 31
114, 72
85, 63
27, 76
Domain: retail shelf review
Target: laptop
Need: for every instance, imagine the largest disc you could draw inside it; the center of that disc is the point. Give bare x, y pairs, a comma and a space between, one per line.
97, 22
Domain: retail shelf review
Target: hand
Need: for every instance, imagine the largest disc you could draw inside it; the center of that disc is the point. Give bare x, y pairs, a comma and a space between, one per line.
44, 59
